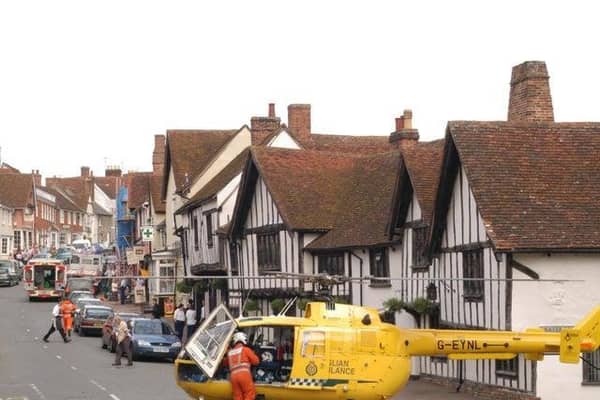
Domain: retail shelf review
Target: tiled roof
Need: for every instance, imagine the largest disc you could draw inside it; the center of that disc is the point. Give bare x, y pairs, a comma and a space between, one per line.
63, 202
349, 144
75, 187
138, 189
211, 189
15, 189
156, 182
423, 163
345, 195
191, 151
108, 184
536, 185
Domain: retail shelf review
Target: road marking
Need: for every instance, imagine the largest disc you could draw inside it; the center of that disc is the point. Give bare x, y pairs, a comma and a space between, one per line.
38, 391
28, 330
112, 396
74, 368
36, 338
99, 386
45, 346
59, 357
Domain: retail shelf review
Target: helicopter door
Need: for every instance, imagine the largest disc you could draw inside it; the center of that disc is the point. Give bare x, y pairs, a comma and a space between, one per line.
210, 342
310, 369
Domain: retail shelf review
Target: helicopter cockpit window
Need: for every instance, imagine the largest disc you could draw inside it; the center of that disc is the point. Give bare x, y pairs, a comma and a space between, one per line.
313, 344
210, 342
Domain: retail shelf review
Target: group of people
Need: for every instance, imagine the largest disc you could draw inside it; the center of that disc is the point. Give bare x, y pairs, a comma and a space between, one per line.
185, 319
62, 320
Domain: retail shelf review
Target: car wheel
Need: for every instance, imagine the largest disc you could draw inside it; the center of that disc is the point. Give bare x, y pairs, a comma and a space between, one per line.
81, 331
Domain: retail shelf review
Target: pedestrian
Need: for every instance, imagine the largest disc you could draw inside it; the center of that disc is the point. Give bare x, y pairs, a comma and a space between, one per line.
179, 317
56, 325
190, 320
114, 288
156, 309
122, 290
123, 341
67, 308
239, 359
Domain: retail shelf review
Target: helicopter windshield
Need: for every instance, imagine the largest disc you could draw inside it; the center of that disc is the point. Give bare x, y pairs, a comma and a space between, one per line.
210, 342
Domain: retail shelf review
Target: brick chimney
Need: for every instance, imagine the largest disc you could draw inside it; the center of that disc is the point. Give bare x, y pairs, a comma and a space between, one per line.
299, 120
404, 136
158, 155
530, 99
85, 171
261, 127
36, 176
112, 170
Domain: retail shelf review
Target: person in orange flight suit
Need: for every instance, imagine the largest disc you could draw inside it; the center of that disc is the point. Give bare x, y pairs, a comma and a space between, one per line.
239, 359
67, 308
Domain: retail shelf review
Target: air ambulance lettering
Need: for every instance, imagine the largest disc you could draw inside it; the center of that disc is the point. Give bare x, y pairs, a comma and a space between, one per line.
340, 367
459, 345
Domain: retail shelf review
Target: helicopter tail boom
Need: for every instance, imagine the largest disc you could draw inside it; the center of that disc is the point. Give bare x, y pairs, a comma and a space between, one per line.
534, 343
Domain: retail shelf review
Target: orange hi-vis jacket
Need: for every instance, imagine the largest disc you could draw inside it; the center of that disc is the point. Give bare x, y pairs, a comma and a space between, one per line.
66, 309
240, 358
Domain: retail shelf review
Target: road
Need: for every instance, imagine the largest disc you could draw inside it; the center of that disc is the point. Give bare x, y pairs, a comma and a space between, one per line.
81, 370
33, 370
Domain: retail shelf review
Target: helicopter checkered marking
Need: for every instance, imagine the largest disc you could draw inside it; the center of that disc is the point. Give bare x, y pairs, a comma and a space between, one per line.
307, 382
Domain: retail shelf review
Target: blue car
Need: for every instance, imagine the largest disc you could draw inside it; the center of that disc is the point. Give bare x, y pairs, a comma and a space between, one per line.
153, 338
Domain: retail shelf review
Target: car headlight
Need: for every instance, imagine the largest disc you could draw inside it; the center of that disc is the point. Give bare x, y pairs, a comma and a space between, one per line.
176, 344
143, 343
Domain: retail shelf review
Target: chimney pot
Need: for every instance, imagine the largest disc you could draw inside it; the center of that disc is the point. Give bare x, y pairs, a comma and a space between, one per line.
404, 136
271, 110
85, 171
399, 123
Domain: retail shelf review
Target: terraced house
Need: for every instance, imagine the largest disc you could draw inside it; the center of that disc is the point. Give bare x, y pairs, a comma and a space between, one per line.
515, 207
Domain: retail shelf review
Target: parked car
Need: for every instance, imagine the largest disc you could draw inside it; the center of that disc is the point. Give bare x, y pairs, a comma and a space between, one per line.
153, 338
91, 319
83, 301
108, 339
77, 294
8, 273
79, 284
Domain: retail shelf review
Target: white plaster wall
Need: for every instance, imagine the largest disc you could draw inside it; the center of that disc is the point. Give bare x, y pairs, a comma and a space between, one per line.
172, 203
231, 150
284, 140
103, 200
226, 199
371, 296
552, 303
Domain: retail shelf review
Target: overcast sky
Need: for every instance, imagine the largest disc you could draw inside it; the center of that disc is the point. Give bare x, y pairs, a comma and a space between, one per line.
90, 83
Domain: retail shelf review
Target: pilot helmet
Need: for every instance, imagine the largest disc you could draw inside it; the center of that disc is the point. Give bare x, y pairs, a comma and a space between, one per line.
240, 337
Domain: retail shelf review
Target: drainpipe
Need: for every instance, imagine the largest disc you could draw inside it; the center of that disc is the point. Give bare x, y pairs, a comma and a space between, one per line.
361, 274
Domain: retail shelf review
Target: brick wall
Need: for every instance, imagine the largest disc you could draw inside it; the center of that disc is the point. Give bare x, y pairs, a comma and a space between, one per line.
530, 99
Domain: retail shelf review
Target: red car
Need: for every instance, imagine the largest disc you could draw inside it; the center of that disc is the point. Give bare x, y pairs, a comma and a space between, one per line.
108, 339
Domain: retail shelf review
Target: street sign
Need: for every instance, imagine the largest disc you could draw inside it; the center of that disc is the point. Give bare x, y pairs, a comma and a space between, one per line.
147, 233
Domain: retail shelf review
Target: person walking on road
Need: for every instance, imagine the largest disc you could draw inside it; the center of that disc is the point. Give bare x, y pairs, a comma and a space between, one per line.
190, 320
56, 325
123, 341
239, 359
179, 317
67, 309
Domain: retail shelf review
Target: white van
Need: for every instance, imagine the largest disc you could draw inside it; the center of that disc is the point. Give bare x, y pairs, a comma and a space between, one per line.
81, 244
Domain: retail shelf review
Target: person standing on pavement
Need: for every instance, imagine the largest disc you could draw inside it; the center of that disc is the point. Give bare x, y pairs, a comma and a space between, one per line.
179, 318
123, 341
190, 320
239, 360
56, 325
156, 309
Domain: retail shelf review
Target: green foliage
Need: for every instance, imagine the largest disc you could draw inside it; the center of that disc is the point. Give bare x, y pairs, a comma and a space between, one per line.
183, 287
219, 283
301, 304
251, 305
277, 305
394, 304
419, 305
201, 286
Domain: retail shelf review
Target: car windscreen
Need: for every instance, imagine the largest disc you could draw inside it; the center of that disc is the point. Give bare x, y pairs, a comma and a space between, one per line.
150, 327
80, 284
96, 313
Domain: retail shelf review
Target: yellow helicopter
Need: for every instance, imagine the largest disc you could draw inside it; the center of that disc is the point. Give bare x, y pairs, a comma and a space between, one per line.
341, 351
